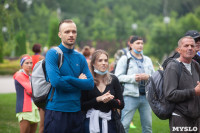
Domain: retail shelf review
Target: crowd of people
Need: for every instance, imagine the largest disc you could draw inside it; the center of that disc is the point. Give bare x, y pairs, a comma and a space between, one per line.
89, 97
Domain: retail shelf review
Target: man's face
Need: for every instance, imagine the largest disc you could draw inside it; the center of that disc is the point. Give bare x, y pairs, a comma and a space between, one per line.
137, 45
68, 34
187, 49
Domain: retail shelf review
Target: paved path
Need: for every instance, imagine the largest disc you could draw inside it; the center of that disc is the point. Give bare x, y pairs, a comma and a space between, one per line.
7, 84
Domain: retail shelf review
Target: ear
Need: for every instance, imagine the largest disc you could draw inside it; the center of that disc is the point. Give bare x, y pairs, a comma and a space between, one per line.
131, 46
59, 34
178, 50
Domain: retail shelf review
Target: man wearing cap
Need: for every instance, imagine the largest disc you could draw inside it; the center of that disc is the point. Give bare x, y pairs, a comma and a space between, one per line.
196, 36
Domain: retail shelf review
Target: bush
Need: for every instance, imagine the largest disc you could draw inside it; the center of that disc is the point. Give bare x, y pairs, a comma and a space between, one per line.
9, 67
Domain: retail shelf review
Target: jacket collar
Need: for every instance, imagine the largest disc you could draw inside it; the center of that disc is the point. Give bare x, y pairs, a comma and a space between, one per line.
64, 49
129, 55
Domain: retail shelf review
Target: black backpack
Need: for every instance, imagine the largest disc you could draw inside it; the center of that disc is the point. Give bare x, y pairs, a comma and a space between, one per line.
162, 108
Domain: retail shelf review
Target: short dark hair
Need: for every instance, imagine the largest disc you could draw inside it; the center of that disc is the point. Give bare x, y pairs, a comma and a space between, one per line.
65, 21
135, 38
36, 48
86, 51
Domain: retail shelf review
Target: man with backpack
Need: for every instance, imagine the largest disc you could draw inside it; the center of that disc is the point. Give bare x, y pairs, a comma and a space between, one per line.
63, 111
184, 91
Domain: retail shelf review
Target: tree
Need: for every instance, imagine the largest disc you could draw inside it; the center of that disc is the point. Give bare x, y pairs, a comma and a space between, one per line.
20, 39
1, 48
53, 40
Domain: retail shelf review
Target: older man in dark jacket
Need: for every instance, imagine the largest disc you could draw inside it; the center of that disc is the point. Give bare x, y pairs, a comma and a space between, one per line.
184, 91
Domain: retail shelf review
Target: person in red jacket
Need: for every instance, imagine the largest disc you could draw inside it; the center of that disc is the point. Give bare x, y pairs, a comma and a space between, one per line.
37, 54
26, 111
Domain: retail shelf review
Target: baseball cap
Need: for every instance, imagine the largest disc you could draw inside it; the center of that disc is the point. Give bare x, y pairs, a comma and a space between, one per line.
193, 33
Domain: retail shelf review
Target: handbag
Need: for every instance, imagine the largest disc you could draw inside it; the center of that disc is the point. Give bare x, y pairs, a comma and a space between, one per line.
117, 118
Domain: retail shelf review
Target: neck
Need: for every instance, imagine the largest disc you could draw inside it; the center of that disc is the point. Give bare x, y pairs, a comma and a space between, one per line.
100, 77
139, 56
26, 72
184, 60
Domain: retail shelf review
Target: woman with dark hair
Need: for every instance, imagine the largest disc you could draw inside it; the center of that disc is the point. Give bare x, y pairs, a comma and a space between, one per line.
100, 103
26, 111
37, 54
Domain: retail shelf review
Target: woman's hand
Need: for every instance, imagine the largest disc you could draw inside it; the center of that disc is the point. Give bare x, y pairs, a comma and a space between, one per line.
105, 97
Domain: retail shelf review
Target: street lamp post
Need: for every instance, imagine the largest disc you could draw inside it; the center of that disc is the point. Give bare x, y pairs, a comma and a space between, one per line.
167, 21
134, 27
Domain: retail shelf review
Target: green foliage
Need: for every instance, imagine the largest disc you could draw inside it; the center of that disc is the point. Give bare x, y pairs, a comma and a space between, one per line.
53, 40
20, 39
37, 24
82, 33
1, 48
102, 21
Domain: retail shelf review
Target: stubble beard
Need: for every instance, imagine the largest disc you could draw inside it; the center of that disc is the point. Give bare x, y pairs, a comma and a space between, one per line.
68, 44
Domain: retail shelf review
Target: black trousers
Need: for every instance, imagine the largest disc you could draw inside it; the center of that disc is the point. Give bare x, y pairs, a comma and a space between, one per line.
111, 126
180, 124
63, 122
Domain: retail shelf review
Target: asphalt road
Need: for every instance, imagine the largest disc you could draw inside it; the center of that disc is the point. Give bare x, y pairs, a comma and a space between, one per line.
7, 84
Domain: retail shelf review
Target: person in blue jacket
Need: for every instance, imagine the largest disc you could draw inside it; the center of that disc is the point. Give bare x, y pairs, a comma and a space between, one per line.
63, 112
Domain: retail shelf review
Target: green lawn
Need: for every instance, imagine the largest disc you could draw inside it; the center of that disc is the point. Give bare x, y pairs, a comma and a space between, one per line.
9, 123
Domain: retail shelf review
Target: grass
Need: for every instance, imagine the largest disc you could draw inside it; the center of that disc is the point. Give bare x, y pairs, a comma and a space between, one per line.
158, 126
9, 123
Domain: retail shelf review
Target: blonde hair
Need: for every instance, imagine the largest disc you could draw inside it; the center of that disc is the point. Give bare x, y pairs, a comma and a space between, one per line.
107, 78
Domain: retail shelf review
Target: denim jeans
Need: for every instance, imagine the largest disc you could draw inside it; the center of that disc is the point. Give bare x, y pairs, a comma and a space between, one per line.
131, 105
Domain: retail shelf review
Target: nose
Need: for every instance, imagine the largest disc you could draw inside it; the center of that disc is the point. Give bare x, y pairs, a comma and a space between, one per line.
71, 34
30, 64
103, 62
190, 47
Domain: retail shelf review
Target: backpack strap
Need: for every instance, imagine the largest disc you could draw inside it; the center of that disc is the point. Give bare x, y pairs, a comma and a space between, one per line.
180, 67
127, 65
60, 62
128, 61
124, 51
60, 56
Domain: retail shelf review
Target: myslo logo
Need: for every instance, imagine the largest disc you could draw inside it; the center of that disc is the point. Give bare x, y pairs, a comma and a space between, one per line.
188, 129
